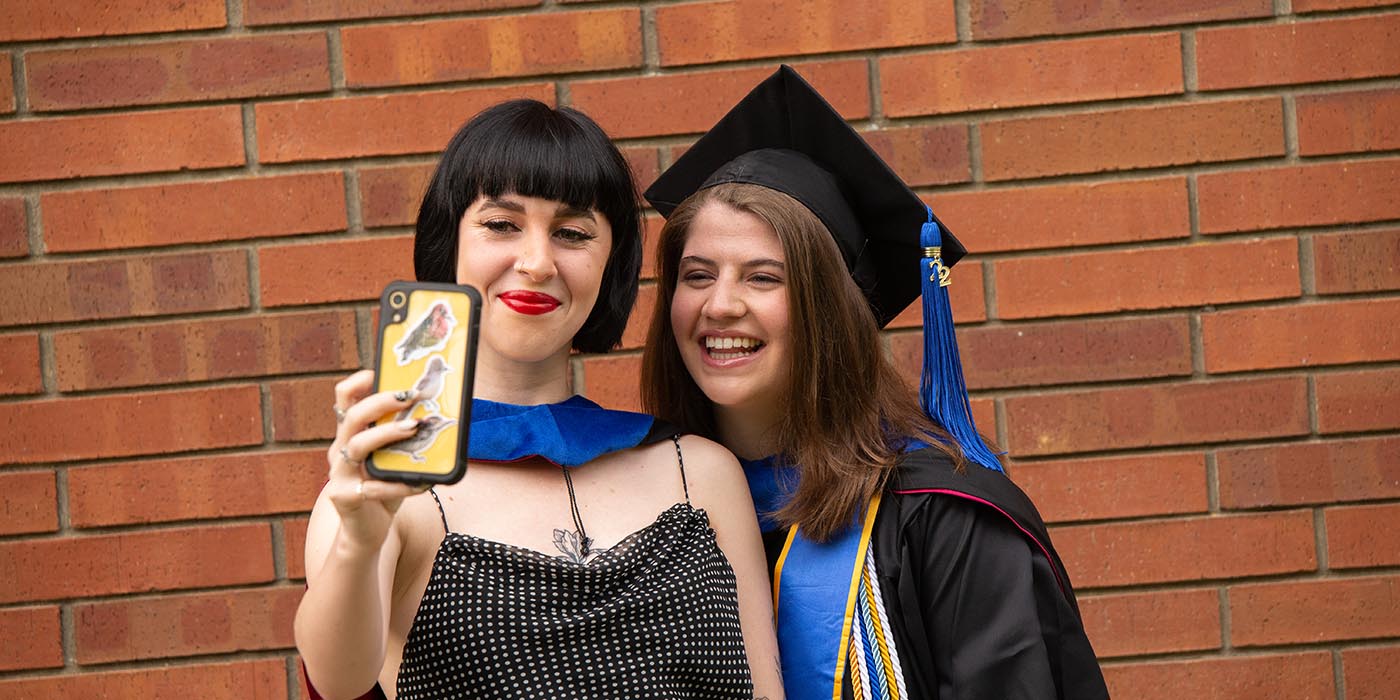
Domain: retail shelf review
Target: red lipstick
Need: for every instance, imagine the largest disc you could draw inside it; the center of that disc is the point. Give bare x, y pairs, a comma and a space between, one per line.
529, 303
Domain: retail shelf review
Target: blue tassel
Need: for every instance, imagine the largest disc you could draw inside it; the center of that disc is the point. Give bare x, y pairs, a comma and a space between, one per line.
941, 387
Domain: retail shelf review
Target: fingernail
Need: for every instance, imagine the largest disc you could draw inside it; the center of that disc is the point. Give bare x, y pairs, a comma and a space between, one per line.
408, 424
402, 395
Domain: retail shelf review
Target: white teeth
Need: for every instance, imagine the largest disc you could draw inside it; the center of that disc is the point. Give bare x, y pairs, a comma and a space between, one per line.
714, 343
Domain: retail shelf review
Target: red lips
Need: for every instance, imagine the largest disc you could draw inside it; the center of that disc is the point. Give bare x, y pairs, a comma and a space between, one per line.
529, 303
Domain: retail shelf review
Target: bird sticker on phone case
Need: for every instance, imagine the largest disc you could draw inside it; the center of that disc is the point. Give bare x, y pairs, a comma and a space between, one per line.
415, 445
429, 333
428, 387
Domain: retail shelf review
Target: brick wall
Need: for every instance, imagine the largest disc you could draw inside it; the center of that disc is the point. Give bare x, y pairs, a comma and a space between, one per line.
1182, 318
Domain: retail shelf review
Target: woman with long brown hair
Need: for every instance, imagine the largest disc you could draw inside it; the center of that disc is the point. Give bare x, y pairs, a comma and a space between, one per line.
905, 563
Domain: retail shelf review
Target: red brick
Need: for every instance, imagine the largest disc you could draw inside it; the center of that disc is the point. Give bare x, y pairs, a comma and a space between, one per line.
1348, 121
147, 285
72, 18
1159, 414
28, 503
634, 336
260, 12
131, 562
1014, 75
645, 164
651, 234
178, 71
1065, 352
1371, 673
732, 30
1302, 6
185, 625
1188, 549
690, 103
375, 125
20, 372
301, 410
1335, 471
1138, 137
41, 640
1061, 216
198, 488
925, 155
492, 47
1334, 333
348, 270
189, 351
116, 425
1302, 676
7, 84
984, 414
1298, 52
1358, 537
1130, 624
1362, 261
1307, 195
14, 228
294, 546
965, 295
1149, 278
1115, 487
613, 381
117, 144
1001, 19
134, 217
264, 679
391, 195
1314, 611
1354, 401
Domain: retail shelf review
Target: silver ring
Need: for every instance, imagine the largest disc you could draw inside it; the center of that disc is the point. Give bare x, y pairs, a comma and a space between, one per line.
352, 460
360, 489
339, 414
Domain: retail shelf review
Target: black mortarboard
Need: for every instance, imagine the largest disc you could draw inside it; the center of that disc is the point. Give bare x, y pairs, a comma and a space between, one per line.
784, 136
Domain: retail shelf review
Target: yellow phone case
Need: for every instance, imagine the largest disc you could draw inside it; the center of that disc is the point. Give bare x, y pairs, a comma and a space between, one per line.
427, 345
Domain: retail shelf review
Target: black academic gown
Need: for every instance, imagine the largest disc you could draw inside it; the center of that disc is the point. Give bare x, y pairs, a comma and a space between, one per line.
979, 602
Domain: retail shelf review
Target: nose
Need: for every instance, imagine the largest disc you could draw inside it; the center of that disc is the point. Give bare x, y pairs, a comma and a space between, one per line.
536, 258
726, 300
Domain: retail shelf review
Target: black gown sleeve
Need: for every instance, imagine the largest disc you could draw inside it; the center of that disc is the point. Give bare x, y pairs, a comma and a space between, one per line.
977, 589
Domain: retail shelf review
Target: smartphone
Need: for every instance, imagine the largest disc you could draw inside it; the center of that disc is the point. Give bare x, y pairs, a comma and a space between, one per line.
427, 345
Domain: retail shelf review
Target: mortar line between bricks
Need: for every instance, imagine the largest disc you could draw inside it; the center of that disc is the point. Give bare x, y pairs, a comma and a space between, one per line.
293, 678
1283, 8
279, 552
336, 61
1212, 482
68, 638
159, 663
1320, 539
1290, 128
48, 364
1193, 208
265, 408
974, 155
1306, 266
365, 334
1189, 82
875, 98
1226, 647
354, 215
651, 42
250, 140
1312, 405
962, 19
1198, 347
233, 12
19, 85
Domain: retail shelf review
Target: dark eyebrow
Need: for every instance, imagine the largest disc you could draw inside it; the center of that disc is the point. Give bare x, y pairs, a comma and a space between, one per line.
566, 211
757, 262
508, 204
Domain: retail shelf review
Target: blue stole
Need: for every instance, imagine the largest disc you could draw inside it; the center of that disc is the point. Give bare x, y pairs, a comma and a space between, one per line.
814, 588
569, 433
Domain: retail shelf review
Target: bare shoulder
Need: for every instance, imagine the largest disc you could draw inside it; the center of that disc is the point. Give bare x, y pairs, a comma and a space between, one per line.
713, 473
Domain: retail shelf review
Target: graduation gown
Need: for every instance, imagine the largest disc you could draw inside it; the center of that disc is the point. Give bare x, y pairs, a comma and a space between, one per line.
979, 602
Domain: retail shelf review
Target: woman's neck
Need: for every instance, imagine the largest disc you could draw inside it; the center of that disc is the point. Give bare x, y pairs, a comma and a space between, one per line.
522, 383
748, 432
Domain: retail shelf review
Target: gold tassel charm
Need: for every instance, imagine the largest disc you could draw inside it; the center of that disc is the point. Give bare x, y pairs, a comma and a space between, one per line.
942, 274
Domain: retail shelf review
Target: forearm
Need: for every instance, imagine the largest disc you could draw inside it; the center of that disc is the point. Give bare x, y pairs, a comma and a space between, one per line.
340, 624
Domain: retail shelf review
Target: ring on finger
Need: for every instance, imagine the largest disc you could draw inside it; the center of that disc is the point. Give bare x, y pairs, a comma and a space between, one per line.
360, 489
346, 454
339, 414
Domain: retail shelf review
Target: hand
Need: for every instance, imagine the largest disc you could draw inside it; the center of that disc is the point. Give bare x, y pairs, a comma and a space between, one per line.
366, 506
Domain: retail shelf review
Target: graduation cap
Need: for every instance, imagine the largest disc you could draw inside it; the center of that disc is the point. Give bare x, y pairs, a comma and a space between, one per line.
785, 136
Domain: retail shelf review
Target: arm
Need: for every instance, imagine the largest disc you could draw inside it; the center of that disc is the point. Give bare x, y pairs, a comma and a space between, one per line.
352, 551
717, 485
978, 598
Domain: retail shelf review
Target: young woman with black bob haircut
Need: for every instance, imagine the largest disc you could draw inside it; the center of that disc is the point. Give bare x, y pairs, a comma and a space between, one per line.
587, 553
905, 563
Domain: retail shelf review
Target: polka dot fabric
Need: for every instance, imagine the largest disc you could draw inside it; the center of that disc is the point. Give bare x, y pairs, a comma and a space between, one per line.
654, 617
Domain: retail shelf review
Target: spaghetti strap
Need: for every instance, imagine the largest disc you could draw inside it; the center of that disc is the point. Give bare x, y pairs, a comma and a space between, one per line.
679, 460
441, 512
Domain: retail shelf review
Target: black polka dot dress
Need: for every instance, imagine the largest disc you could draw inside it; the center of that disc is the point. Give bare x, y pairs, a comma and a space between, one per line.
656, 616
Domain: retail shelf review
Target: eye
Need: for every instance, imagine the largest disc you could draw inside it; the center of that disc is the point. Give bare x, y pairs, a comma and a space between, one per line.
694, 277
574, 235
765, 279
500, 225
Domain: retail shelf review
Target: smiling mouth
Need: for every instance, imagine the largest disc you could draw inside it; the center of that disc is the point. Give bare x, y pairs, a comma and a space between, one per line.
529, 303
731, 348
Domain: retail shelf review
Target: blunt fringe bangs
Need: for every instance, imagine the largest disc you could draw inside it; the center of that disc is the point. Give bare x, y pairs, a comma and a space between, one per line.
531, 149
